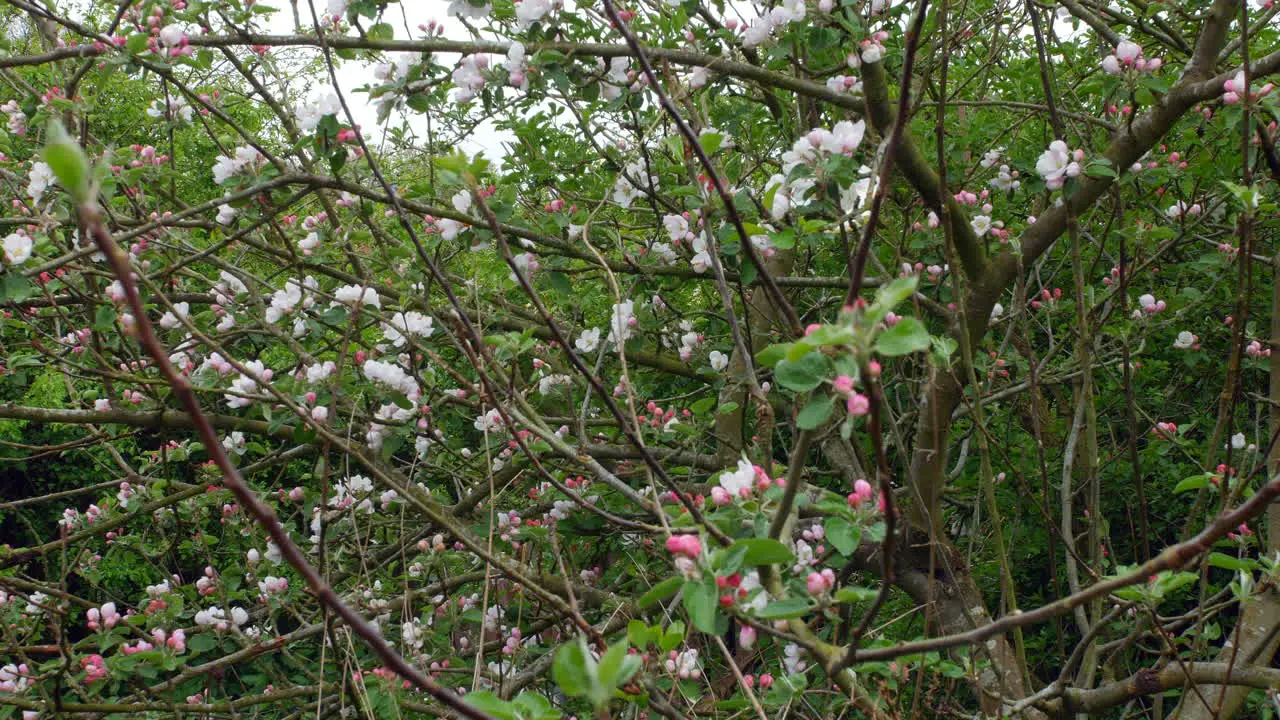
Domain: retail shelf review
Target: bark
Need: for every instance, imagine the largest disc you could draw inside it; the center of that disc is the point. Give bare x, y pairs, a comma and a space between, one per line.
1257, 643
989, 279
1150, 681
954, 604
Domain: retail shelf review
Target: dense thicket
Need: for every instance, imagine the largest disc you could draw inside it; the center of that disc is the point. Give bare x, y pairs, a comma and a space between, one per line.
856, 358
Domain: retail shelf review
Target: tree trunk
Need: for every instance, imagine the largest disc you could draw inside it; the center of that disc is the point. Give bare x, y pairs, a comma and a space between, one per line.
763, 316
955, 605
1260, 620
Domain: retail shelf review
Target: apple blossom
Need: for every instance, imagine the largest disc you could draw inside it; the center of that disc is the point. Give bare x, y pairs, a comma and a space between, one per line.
17, 248
1057, 164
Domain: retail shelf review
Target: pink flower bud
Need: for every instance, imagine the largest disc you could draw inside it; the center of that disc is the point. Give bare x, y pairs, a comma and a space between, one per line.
816, 583
688, 545
720, 496
862, 488
858, 405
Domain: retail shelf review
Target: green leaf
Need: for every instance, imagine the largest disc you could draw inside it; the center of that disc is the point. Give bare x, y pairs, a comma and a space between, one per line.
382, 31
672, 637
104, 319
1227, 562
560, 283
766, 551
943, 348
853, 593
701, 598
773, 354
638, 633
784, 240
419, 102
67, 161
534, 706
815, 412
337, 161
874, 533
1167, 581
804, 374
611, 664
486, 701
784, 609
1195, 482
799, 350
1156, 84
616, 667
573, 669
827, 335
843, 534
710, 142
630, 666
137, 42
727, 562
892, 295
907, 336
15, 287
702, 406
201, 642
674, 143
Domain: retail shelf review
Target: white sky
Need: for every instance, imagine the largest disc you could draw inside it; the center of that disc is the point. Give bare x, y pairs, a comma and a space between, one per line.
486, 139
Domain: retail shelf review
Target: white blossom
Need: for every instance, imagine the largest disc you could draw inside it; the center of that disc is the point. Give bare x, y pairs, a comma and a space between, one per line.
170, 320
171, 35
588, 341
247, 384
490, 421
739, 482
17, 248
244, 159
391, 375
234, 443
1056, 165
465, 9
530, 11
624, 190
404, 325
357, 294
793, 659
311, 112
39, 179
397, 69
981, 225
469, 78
1005, 180
622, 323
550, 383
